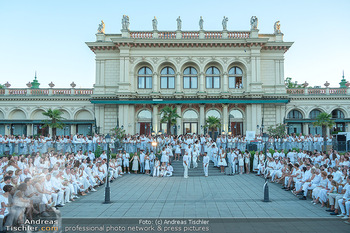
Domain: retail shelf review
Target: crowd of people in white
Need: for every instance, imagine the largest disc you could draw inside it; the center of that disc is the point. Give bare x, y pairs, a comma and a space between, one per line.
40, 174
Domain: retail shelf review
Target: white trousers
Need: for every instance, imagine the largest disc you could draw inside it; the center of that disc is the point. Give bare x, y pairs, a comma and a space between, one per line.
206, 169
185, 171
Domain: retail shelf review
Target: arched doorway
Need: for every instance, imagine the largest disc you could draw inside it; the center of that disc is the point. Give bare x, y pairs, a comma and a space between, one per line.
190, 122
144, 119
236, 122
213, 113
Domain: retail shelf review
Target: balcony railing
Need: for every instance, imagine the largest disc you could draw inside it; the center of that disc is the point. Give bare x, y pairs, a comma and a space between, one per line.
318, 91
189, 35
46, 92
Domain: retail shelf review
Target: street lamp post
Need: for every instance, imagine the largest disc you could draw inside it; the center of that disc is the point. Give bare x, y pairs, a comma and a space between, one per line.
265, 139
108, 189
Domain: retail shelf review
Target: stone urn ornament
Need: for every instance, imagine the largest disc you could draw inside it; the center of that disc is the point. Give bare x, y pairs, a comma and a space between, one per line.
305, 84
7, 84
29, 84
51, 84
327, 84
73, 85
347, 84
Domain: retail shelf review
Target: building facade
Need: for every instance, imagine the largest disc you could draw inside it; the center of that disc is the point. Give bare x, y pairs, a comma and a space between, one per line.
237, 76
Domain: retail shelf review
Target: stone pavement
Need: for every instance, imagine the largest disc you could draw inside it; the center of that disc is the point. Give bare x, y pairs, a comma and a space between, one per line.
238, 197
217, 196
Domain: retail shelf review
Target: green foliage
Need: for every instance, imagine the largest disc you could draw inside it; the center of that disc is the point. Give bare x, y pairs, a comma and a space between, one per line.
212, 123
325, 121
289, 84
55, 116
118, 133
277, 130
168, 115
98, 151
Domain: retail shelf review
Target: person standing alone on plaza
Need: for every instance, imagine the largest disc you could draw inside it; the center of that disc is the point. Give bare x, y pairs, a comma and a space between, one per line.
186, 158
205, 164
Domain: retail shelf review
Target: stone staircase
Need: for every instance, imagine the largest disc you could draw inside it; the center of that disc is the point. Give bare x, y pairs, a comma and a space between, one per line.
179, 169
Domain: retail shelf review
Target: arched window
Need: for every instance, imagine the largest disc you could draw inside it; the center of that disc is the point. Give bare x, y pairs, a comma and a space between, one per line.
235, 76
214, 113
144, 78
190, 78
337, 114
190, 114
167, 78
295, 114
213, 77
236, 114
144, 114
314, 113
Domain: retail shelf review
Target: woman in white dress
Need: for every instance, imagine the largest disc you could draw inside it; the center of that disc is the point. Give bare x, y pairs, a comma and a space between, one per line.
147, 167
135, 163
247, 161
156, 167
256, 161
240, 162
222, 161
177, 151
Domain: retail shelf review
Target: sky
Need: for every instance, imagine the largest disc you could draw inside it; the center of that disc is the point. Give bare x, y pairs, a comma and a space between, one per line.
49, 36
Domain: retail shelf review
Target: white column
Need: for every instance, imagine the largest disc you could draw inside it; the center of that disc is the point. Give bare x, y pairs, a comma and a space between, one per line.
73, 129
155, 82
155, 118
126, 119
29, 129
102, 73
201, 118
121, 115
277, 72
281, 78
225, 117
132, 118
225, 82
249, 118
305, 128
179, 120
178, 82
279, 117
98, 69
201, 82
258, 117
253, 117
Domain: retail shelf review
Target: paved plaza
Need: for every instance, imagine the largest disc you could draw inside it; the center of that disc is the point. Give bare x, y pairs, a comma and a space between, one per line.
238, 197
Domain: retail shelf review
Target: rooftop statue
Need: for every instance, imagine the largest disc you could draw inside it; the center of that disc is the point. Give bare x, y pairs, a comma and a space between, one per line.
178, 20
224, 23
277, 27
125, 22
201, 21
101, 27
254, 23
154, 23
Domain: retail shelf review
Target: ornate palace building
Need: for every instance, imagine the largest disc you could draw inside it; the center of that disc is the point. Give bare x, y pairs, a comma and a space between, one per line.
237, 76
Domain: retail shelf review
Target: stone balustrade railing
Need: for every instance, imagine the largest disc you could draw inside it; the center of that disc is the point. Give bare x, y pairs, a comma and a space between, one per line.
46, 92
318, 91
189, 34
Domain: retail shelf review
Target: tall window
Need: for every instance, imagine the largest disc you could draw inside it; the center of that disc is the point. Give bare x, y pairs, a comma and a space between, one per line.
235, 77
337, 114
144, 78
213, 77
190, 78
167, 78
314, 113
295, 114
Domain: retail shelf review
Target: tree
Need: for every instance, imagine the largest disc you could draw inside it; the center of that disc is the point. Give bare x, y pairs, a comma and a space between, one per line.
277, 130
212, 124
325, 121
169, 116
55, 116
289, 84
